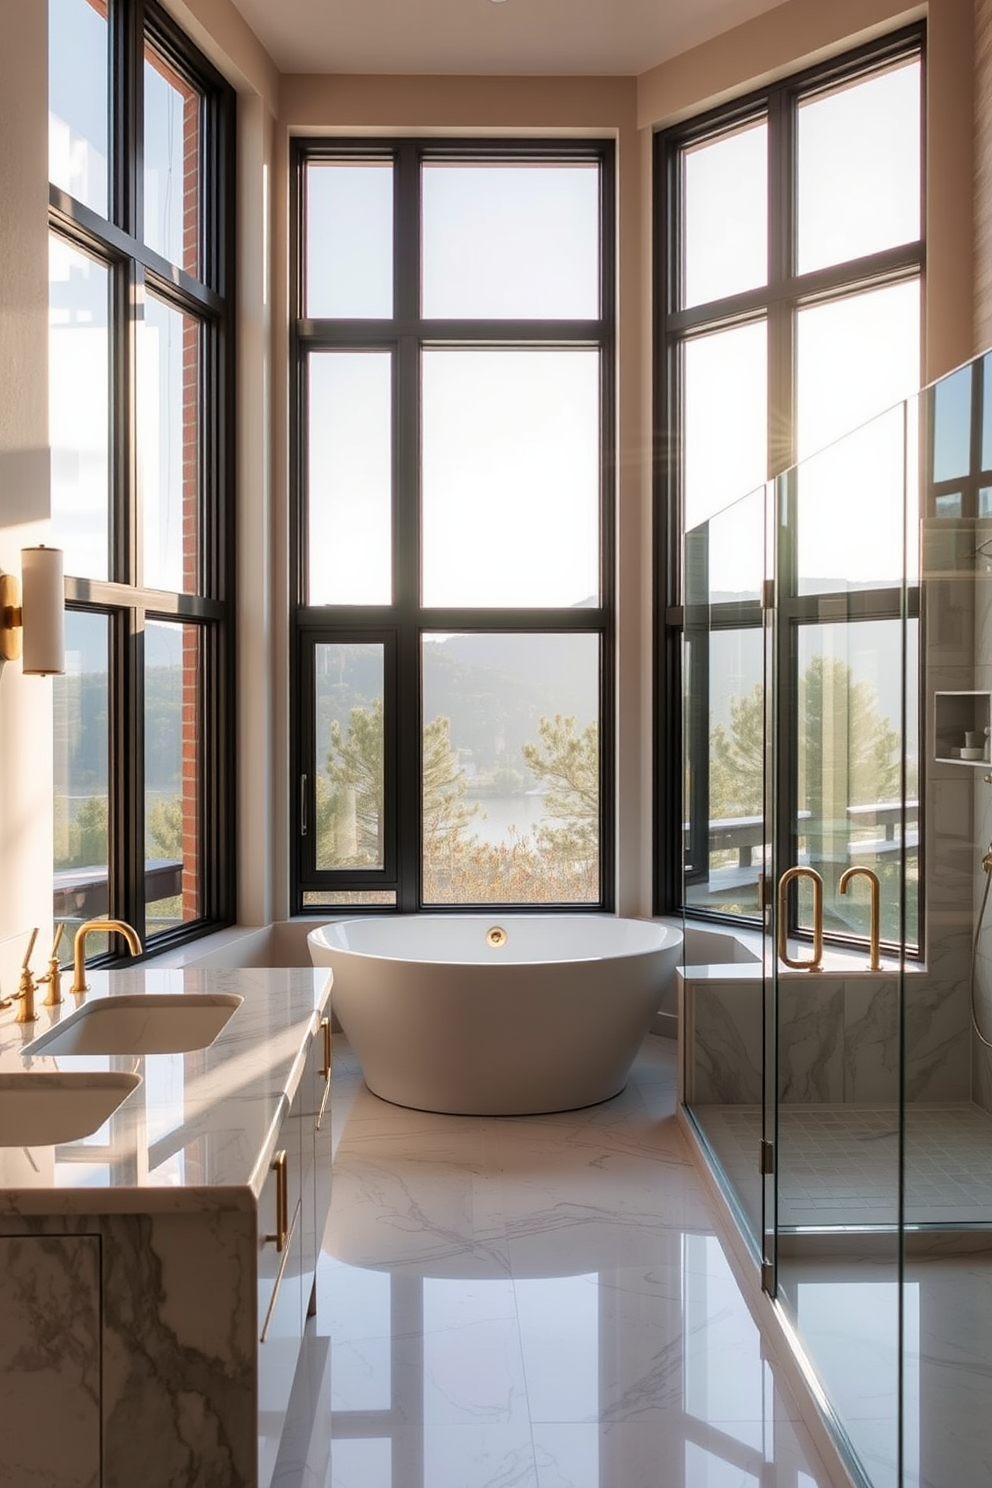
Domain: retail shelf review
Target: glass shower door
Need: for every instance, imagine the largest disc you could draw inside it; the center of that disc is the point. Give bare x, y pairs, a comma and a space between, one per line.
845, 862
727, 845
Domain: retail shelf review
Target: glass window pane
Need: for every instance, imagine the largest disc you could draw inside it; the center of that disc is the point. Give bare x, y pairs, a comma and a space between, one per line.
856, 508
171, 163
517, 241
78, 99
510, 477
851, 750
855, 357
173, 731
952, 425
349, 742
168, 378
859, 168
81, 705
724, 438
349, 226
350, 477
79, 408
511, 805
987, 412
725, 213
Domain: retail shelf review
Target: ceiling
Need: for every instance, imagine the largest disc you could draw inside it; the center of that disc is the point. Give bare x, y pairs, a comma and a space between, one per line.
494, 37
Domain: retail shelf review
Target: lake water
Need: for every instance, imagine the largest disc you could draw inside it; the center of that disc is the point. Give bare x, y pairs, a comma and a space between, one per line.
497, 814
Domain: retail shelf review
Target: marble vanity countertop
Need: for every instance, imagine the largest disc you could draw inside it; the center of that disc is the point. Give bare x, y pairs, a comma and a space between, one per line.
200, 1128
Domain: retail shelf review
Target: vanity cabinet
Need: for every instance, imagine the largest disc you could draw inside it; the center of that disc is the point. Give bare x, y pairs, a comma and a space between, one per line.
292, 1214
161, 1310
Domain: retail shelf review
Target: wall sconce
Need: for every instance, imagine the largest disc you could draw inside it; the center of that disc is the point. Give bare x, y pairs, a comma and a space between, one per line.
31, 613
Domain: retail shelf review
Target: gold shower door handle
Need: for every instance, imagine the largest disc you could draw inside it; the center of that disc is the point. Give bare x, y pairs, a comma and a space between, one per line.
816, 961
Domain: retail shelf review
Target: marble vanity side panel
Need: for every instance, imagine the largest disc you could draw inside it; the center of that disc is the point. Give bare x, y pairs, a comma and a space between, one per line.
871, 1039
726, 1053
50, 1361
179, 1399
811, 1038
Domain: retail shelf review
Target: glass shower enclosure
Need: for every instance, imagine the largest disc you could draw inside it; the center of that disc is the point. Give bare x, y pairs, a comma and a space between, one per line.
837, 1032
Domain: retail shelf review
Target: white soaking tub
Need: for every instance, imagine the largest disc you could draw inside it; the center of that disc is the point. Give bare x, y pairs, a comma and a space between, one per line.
494, 1014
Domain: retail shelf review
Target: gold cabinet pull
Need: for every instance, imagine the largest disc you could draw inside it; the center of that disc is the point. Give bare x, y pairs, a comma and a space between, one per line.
281, 1235
325, 1027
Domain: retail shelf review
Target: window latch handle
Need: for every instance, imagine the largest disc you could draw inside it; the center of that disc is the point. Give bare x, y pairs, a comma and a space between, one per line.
303, 805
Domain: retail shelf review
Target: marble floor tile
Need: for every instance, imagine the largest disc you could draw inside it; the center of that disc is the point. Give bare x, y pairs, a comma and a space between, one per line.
537, 1302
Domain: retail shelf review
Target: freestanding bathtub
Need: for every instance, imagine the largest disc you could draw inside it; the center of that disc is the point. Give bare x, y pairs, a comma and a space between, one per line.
496, 1015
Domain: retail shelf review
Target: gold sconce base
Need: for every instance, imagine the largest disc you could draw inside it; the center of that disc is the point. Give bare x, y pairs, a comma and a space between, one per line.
11, 629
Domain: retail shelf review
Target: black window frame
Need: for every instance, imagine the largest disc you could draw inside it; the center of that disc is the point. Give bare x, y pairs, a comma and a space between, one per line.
401, 624
777, 302
134, 269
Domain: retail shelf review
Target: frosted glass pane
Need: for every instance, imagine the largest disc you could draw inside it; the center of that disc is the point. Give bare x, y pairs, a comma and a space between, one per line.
350, 479
725, 186
510, 477
511, 240
724, 434
859, 168
349, 268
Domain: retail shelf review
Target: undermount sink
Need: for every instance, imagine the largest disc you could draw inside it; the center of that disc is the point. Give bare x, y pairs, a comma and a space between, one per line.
38, 1108
143, 1023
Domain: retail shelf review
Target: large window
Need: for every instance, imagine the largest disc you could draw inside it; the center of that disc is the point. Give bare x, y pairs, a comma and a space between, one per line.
140, 164
789, 277
453, 417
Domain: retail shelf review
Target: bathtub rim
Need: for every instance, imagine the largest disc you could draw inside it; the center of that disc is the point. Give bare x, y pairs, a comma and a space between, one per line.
670, 938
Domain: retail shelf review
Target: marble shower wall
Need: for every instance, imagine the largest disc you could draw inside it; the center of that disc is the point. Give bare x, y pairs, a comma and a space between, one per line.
838, 1039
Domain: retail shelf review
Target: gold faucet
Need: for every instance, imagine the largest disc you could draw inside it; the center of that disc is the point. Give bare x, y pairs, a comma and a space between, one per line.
816, 964
79, 982
25, 992
875, 961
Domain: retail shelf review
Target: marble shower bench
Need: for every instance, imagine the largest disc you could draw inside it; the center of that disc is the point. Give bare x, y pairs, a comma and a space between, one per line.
150, 1325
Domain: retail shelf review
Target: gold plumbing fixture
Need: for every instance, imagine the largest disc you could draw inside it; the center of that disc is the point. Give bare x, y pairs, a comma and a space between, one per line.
816, 963
53, 976
875, 961
25, 992
119, 927
496, 937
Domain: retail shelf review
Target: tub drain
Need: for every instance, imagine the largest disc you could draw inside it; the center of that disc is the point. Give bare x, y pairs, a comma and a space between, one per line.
497, 936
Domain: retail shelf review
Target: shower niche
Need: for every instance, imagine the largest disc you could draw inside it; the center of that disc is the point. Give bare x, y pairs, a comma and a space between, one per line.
961, 728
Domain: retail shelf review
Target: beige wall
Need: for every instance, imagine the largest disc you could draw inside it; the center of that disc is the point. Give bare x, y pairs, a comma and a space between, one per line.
25, 702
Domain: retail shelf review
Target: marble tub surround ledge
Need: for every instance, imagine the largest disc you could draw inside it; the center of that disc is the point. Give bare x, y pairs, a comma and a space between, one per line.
163, 1214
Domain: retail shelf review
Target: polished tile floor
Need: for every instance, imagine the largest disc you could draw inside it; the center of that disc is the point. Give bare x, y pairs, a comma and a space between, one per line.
839, 1164
537, 1302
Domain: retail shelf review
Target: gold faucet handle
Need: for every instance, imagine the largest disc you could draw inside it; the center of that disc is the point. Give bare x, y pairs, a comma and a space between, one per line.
25, 993
53, 976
